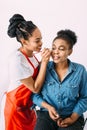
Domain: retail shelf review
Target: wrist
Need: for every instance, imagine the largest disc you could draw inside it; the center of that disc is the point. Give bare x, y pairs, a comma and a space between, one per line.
74, 116
45, 105
44, 62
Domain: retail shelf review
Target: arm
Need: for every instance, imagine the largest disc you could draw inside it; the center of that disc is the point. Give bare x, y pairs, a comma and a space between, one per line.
36, 85
81, 105
38, 100
52, 111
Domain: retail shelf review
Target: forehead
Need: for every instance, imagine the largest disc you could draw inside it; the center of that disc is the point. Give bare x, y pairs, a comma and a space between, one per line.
60, 42
36, 33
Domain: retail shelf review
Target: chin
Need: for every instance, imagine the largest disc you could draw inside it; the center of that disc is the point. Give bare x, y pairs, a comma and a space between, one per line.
55, 61
39, 50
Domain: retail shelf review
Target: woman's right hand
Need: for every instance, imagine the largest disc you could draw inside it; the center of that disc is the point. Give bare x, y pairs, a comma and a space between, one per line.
53, 114
52, 111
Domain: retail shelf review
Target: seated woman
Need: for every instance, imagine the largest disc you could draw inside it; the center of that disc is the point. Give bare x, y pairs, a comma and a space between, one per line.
63, 98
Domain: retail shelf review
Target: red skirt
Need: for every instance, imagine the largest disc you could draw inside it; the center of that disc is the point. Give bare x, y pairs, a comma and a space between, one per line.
18, 115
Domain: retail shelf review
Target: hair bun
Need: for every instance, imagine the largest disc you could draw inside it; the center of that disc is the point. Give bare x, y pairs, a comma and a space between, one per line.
14, 21
16, 17
69, 34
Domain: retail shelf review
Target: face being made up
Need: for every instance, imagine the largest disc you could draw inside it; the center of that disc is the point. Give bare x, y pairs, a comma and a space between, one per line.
60, 50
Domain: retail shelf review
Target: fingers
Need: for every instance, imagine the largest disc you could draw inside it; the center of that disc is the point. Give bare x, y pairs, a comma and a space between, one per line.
59, 121
53, 117
46, 54
63, 122
53, 114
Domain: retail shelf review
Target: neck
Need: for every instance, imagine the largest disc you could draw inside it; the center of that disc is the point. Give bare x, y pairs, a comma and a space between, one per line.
62, 65
27, 52
61, 70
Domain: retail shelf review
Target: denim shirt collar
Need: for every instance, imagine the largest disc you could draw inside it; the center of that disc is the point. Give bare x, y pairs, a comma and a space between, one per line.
70, 69
71, 66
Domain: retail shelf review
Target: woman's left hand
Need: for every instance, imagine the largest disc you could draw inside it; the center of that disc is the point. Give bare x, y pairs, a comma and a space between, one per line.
65, 122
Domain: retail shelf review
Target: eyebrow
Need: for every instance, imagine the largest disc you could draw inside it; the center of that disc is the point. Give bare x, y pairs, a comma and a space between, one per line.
38, 38
59, 46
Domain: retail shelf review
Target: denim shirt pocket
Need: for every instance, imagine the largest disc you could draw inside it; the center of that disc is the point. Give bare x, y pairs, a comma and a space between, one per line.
73, 90
48, 88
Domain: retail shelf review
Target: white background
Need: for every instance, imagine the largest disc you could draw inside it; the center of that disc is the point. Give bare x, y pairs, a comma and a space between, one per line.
50, 16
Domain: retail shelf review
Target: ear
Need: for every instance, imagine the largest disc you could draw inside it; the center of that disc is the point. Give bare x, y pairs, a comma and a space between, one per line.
23, 41
70, 51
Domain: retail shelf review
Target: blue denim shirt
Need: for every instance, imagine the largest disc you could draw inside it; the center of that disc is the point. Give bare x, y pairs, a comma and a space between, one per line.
67, 96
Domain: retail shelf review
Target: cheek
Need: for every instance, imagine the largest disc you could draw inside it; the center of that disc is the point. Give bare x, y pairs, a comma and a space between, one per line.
64, 55
52, 54
34, 46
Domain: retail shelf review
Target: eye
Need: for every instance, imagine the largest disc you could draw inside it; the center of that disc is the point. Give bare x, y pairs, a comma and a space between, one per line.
61, 49
53, 48
37, 41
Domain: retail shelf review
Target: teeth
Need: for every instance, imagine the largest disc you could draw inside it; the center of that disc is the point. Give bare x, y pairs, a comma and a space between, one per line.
56, 57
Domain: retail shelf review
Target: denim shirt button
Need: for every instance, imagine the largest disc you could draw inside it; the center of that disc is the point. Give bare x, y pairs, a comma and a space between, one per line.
60, 85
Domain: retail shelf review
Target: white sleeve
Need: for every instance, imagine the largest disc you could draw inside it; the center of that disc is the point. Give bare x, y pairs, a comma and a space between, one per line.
19, 68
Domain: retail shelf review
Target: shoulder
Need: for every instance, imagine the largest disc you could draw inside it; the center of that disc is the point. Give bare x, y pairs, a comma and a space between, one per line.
17, 58
78, 66
50, 65
15, 55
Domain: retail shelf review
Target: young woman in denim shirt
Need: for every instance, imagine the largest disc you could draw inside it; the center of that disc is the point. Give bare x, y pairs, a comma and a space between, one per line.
63, 99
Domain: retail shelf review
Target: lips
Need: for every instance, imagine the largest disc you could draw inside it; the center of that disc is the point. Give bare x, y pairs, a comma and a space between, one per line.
56, 57
39, 48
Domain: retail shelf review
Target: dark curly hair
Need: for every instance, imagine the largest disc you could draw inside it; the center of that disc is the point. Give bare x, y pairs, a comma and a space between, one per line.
20, 28
68, 36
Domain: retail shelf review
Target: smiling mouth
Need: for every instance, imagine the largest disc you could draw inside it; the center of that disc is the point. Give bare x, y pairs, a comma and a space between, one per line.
56, 58
39, 48
38, 51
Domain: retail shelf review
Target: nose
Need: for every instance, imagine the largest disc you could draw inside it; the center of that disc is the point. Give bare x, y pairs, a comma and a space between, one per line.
40, 43
56, 51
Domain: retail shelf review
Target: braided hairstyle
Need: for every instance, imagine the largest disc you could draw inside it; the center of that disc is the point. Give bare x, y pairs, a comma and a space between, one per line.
20, 28
68, 36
